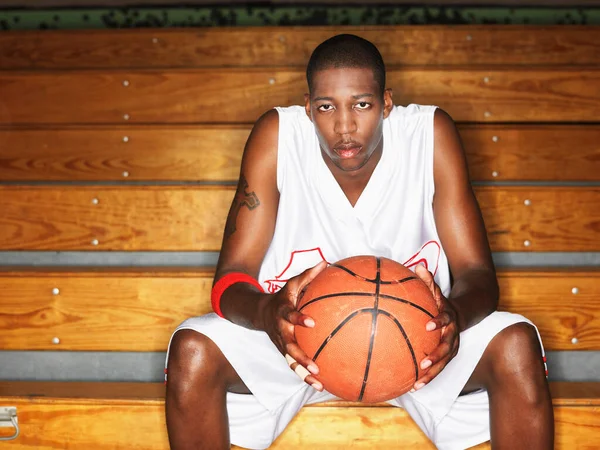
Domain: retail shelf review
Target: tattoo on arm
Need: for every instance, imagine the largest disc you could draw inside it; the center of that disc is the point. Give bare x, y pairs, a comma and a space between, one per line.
242, 198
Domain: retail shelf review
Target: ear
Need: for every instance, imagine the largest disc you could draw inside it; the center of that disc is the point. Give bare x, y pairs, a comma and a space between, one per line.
388, 103
307, 106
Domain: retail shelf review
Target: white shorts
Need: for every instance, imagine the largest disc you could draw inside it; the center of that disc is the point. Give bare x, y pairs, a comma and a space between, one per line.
451, 421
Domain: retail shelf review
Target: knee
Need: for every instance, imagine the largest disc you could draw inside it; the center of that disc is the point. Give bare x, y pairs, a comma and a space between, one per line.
193, 357
515, 359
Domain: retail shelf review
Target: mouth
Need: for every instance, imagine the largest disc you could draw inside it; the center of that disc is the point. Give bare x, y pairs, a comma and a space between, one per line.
347, 151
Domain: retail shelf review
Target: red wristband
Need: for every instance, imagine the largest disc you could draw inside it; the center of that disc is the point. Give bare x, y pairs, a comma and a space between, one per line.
224, 282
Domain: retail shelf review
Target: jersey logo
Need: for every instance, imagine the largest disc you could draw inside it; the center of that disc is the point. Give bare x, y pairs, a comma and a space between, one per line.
429, 255
300, 260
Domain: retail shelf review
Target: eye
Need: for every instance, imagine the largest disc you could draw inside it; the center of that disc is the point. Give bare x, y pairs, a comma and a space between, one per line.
363, 105
325, 107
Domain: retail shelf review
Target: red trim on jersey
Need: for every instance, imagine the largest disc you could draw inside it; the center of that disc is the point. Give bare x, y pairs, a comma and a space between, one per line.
292, 260
278, 278
224, 282
411, 263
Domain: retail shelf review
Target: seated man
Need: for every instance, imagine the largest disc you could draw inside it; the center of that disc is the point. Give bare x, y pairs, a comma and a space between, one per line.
352, 174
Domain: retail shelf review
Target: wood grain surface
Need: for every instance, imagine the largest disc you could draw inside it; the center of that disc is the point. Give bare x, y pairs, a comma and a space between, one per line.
435, 45
192, 218
242, 95
213, 153
138, 309
51, 423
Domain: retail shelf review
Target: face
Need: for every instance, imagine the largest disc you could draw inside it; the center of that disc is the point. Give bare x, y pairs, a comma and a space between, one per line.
347, 109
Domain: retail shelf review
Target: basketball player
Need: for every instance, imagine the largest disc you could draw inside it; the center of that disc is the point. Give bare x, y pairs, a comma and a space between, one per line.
352, 174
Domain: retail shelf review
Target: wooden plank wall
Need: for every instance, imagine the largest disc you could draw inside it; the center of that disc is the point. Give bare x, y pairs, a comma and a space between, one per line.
131, 140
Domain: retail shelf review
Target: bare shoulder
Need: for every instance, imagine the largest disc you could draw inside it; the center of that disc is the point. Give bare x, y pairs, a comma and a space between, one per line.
444, 127
449, 157
262, 142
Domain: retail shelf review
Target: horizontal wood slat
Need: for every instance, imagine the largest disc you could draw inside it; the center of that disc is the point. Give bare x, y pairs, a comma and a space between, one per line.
213, 153
563, 305
192, 218
168, 153
138, 309
534, 153
541, 219
99, 311
292, 46
133, 218
241, 96
48, 422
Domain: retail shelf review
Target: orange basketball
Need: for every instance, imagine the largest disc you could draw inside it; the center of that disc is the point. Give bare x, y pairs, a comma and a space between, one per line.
369, 336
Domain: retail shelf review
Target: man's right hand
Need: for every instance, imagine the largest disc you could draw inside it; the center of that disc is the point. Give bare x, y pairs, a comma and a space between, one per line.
280, 317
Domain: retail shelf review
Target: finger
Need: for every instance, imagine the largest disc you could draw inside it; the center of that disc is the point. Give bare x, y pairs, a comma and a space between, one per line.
304, 279
438, 354
448, 345
304, 374
437, 295
426, 276
297, 318
310, 274
293, 349
439, 321
439, 303
431, 374
436, 367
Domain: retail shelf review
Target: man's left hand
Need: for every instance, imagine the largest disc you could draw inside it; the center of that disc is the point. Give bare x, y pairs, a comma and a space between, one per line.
446, 321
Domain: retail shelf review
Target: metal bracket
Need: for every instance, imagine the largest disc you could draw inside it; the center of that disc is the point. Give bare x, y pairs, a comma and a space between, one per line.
8, 418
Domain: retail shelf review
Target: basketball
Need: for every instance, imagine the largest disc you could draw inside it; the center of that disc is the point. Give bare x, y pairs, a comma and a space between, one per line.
369, 335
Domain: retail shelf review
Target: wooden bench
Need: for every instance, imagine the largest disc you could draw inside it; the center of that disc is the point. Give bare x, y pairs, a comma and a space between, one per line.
131, 140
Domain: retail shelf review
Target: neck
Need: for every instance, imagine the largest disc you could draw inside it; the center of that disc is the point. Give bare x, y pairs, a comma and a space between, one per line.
354, 182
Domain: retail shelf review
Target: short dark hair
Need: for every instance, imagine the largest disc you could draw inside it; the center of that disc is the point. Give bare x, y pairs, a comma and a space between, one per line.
346, 51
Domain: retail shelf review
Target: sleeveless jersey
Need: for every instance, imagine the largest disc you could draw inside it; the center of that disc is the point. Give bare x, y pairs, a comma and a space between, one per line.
393, 216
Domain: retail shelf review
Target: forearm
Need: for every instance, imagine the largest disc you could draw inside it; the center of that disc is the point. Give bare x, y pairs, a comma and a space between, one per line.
474, 296
243, 304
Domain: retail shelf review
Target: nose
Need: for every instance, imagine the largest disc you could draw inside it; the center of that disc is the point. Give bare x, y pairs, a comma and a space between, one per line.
345, 123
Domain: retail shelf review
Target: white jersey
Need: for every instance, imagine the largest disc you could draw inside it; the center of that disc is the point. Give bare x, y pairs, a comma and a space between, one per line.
392, 218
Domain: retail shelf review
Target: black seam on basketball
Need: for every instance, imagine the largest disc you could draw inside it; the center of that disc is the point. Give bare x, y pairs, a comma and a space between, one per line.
365, 294
337, 294
403, 280
373, 280
373, 329
338, 328
401, 300
410, 347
